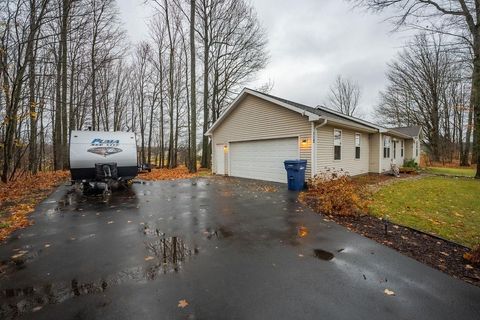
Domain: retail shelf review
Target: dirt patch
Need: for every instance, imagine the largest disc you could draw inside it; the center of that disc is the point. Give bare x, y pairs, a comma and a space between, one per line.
435, 252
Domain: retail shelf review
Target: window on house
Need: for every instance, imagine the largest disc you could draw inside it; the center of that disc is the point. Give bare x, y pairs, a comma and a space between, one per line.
394, 149
401, 148
386, 147
337, 144
416, 148
357, 145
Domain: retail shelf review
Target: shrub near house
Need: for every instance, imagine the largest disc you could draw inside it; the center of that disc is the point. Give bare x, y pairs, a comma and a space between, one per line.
334, 192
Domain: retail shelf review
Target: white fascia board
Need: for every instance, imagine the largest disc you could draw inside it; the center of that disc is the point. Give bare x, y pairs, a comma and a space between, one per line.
350, 124
354, 119
311, 116
398, 134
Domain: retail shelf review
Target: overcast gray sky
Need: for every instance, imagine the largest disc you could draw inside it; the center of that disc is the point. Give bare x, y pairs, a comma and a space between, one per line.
310, 43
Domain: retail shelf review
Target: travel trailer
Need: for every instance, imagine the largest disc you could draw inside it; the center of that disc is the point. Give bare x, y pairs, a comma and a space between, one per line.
102, 159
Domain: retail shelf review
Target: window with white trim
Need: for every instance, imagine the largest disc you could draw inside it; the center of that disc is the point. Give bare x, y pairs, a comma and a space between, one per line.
416, 148
386, 147
358, 138
401, 148
337, 144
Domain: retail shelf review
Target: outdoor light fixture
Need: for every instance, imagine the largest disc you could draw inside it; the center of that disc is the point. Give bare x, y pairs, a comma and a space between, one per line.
304, 142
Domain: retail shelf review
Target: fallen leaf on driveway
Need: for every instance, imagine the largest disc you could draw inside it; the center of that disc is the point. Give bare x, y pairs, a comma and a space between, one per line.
182, 303
149, 258
110, 222
302, 231
129, 221
47, 245
468, 267
300, 255
18, 255
389, 292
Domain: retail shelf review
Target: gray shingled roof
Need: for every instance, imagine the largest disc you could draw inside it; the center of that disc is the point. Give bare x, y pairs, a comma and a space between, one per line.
413, 131
334, 115
320, 110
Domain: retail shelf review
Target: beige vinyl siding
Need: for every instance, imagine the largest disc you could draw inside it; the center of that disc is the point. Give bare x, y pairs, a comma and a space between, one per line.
409, 149
375, 152
415, 155
348, 162
258, 119
305, 153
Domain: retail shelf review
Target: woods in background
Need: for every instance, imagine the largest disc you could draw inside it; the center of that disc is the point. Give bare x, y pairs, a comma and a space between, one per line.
429, 86
430, 69
67, 65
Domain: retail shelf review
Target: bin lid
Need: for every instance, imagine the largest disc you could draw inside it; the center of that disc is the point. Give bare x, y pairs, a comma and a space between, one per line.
296, 161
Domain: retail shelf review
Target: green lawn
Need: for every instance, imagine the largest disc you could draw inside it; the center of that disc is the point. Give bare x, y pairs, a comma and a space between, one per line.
464, 172
447, 207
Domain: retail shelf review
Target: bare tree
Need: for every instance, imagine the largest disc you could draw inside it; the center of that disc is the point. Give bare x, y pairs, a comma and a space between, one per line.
17, 47
193, 92
457, 18
422, 90
64, 66
344, 96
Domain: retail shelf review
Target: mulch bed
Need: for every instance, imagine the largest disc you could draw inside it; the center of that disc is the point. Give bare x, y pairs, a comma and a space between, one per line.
440, 254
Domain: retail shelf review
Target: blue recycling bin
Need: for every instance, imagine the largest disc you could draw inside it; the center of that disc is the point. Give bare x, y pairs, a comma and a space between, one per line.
295, 174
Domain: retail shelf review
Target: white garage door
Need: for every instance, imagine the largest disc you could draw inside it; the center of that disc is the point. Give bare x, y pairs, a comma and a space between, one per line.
262, 159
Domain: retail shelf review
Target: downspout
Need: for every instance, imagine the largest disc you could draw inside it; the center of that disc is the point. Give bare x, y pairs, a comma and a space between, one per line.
313, 170
380, 153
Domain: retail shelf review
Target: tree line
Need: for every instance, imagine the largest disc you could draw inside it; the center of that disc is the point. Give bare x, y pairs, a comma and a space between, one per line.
68, 65
430, 86
435, 80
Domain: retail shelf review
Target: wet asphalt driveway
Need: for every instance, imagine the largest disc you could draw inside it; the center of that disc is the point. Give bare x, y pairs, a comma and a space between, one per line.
229, 247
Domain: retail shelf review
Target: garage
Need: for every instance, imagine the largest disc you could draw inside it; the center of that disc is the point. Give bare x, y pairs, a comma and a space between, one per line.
262, 159
257, 133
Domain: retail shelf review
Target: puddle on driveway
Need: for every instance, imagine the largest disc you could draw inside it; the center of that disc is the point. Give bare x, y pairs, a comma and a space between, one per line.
169, 254
75, 200
220, 233
164, 255
323, 255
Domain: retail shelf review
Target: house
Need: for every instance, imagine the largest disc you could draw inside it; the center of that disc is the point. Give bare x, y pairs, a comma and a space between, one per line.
258, 131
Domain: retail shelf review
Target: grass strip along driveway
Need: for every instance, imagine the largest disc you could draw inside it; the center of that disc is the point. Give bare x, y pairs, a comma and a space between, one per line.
443, 206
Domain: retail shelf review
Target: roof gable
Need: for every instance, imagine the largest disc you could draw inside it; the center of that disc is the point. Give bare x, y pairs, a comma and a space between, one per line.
413, 131
314, 114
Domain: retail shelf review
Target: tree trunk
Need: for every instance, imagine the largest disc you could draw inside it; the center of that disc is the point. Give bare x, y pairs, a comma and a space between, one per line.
57, 142
63, 40
205, 146
476, 104
193, 96
466, 150
32, 153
